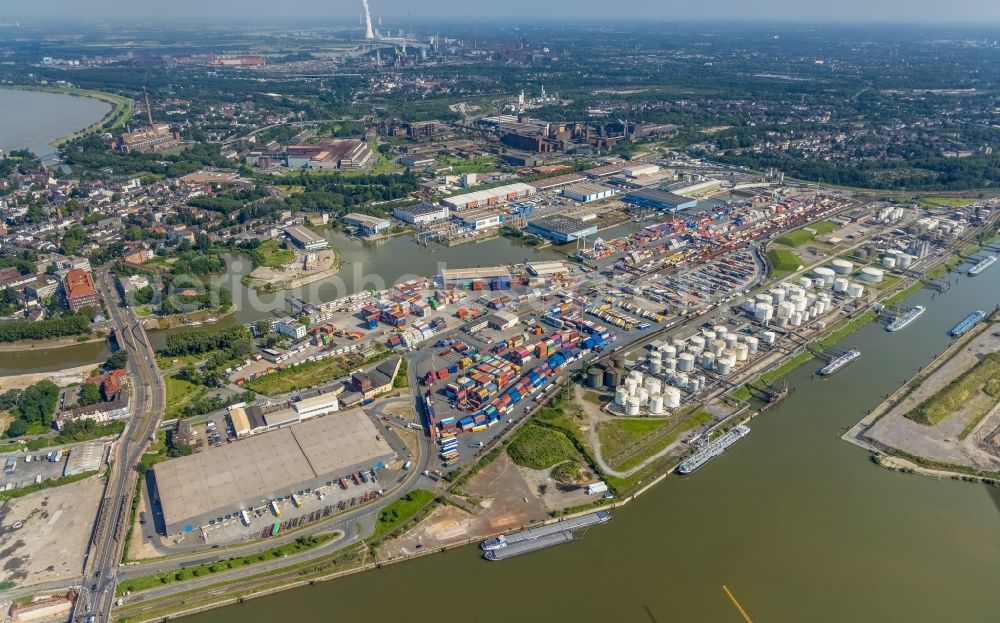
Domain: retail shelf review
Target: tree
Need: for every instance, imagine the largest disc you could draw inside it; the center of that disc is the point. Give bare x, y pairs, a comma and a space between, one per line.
90, 394
117, 361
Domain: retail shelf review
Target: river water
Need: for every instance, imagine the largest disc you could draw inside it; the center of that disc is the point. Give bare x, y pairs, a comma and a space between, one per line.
799, 524
34, 119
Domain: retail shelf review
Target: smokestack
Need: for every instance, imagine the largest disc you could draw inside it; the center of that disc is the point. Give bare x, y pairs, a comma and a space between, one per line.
149, 109
369, 33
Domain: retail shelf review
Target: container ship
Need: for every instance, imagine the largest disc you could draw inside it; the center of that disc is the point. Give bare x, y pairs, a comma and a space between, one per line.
839, 362
909, 316
534, 539
714, 449
966, 325
982, 265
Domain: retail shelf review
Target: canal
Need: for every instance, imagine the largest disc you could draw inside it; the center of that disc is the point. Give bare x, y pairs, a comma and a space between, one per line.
801, 525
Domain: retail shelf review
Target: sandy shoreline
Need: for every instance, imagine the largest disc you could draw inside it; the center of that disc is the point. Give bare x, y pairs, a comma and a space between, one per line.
62, 378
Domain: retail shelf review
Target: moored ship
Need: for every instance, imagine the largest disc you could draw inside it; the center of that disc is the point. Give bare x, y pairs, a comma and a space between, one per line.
839, 362
909, 316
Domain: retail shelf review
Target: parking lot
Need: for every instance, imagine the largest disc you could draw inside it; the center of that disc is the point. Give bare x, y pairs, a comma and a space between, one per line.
29, 467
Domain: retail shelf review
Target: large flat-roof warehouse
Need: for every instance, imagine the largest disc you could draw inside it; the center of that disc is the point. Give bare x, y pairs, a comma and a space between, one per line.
219, 482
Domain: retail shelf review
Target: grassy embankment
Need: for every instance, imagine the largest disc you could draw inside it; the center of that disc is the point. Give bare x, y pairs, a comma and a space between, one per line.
783, 262
270, 254
45, 484
147, 582
944, 202
180, 394
976, 391
310, 374
401, 511
799, 237
540, 447
625, 434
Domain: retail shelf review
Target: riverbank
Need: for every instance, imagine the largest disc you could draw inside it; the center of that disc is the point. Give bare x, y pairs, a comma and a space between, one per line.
180, 321
62, 378
53, 344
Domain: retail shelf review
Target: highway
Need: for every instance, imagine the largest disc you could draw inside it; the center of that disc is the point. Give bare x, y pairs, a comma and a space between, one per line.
148, 401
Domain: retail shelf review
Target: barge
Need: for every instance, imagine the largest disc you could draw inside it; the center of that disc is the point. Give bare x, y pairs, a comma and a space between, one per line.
534, 539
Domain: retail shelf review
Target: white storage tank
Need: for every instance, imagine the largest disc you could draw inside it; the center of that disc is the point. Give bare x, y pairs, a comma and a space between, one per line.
842, 267
637, 375
681, 380
709, 336
769, 337
786, 309
643, 395
763, 312
672, 397
765, 298
824, 277
685, 363
656, 366
795, 319
716, 347
725, 365
889, 261
653, 387
621, 396
840, 284
742, 352
872, 275
632, 409
721, 331
656, 406
708, 360
855, 290
747, 305
669, 365
904, 260
669, 351
731, 340
631, 385
752, 344
698, 342
799, 302
777, 296
806, 283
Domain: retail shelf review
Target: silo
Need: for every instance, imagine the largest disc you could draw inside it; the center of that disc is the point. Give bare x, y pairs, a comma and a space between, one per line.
840, 284
672, 397
685, 363
621, 396
612, 377
842, 267
855, 290
632, 408
595, 378
656, 406
872, 275
724, 365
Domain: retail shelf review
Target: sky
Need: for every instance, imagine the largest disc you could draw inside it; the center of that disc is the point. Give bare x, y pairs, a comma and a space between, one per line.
976, 12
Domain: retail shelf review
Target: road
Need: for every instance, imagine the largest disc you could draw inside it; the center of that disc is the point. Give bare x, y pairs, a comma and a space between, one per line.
148, 396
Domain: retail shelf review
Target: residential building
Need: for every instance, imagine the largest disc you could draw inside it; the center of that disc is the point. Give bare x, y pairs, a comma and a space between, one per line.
79, 290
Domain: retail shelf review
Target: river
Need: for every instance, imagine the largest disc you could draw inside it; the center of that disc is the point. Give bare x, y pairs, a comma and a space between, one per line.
34, 119
799, 524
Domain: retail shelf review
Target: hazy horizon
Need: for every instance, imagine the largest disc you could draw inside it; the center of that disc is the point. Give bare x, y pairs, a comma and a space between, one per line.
878, 12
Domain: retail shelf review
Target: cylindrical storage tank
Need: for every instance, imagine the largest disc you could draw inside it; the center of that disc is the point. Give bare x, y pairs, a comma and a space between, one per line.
656, 406
702, 381
763, 312
786, 309
708, 360
861, 254
889, 261
806, 283
777, 295
669, 365
709, 336
742, 352
904, 260
643, 396
595, 378
795, 319
747, 305
698, 342
799, 302
724, 365
732, 340
652, 386
630, 386
872, 275
716, 347
752, 344
769, 337
621, 396
840, 284
619, 361
685, 363
672, 397
764, 298
656, 366
612, 377
669, 351
721, 331
638, 376
681, 380
855, 290
632, 408
694, 385
824, 275
842, 267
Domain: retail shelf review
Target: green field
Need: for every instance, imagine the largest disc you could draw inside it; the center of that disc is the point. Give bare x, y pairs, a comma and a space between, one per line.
783, 262
309, 374
181, 393
944, 202
540, 447
401, 511
982, 378
618, 435
802, 236
270, 254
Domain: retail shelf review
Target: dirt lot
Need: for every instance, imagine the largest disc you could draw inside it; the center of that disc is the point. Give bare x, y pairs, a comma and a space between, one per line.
943, 442
51, 542
62, 378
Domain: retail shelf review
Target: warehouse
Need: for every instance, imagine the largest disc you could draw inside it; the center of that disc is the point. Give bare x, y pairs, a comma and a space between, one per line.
322, 404
367, 225
460, 277
421, 214
587, 192
87, 457
550, 183
503, 320
478, 220
306, 239
208, 487
492, 196
659, 200
562, 228
546, 269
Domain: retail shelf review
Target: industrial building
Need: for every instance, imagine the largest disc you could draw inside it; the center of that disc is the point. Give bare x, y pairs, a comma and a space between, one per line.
460, 277
86, 457
316, 406
292, 328
562, 228
367, 225
550, 183
588, 191
492, 196
479, 220
213, 486
659, 200
503, 320
331, 154
306, 239
546, 269
422, 214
